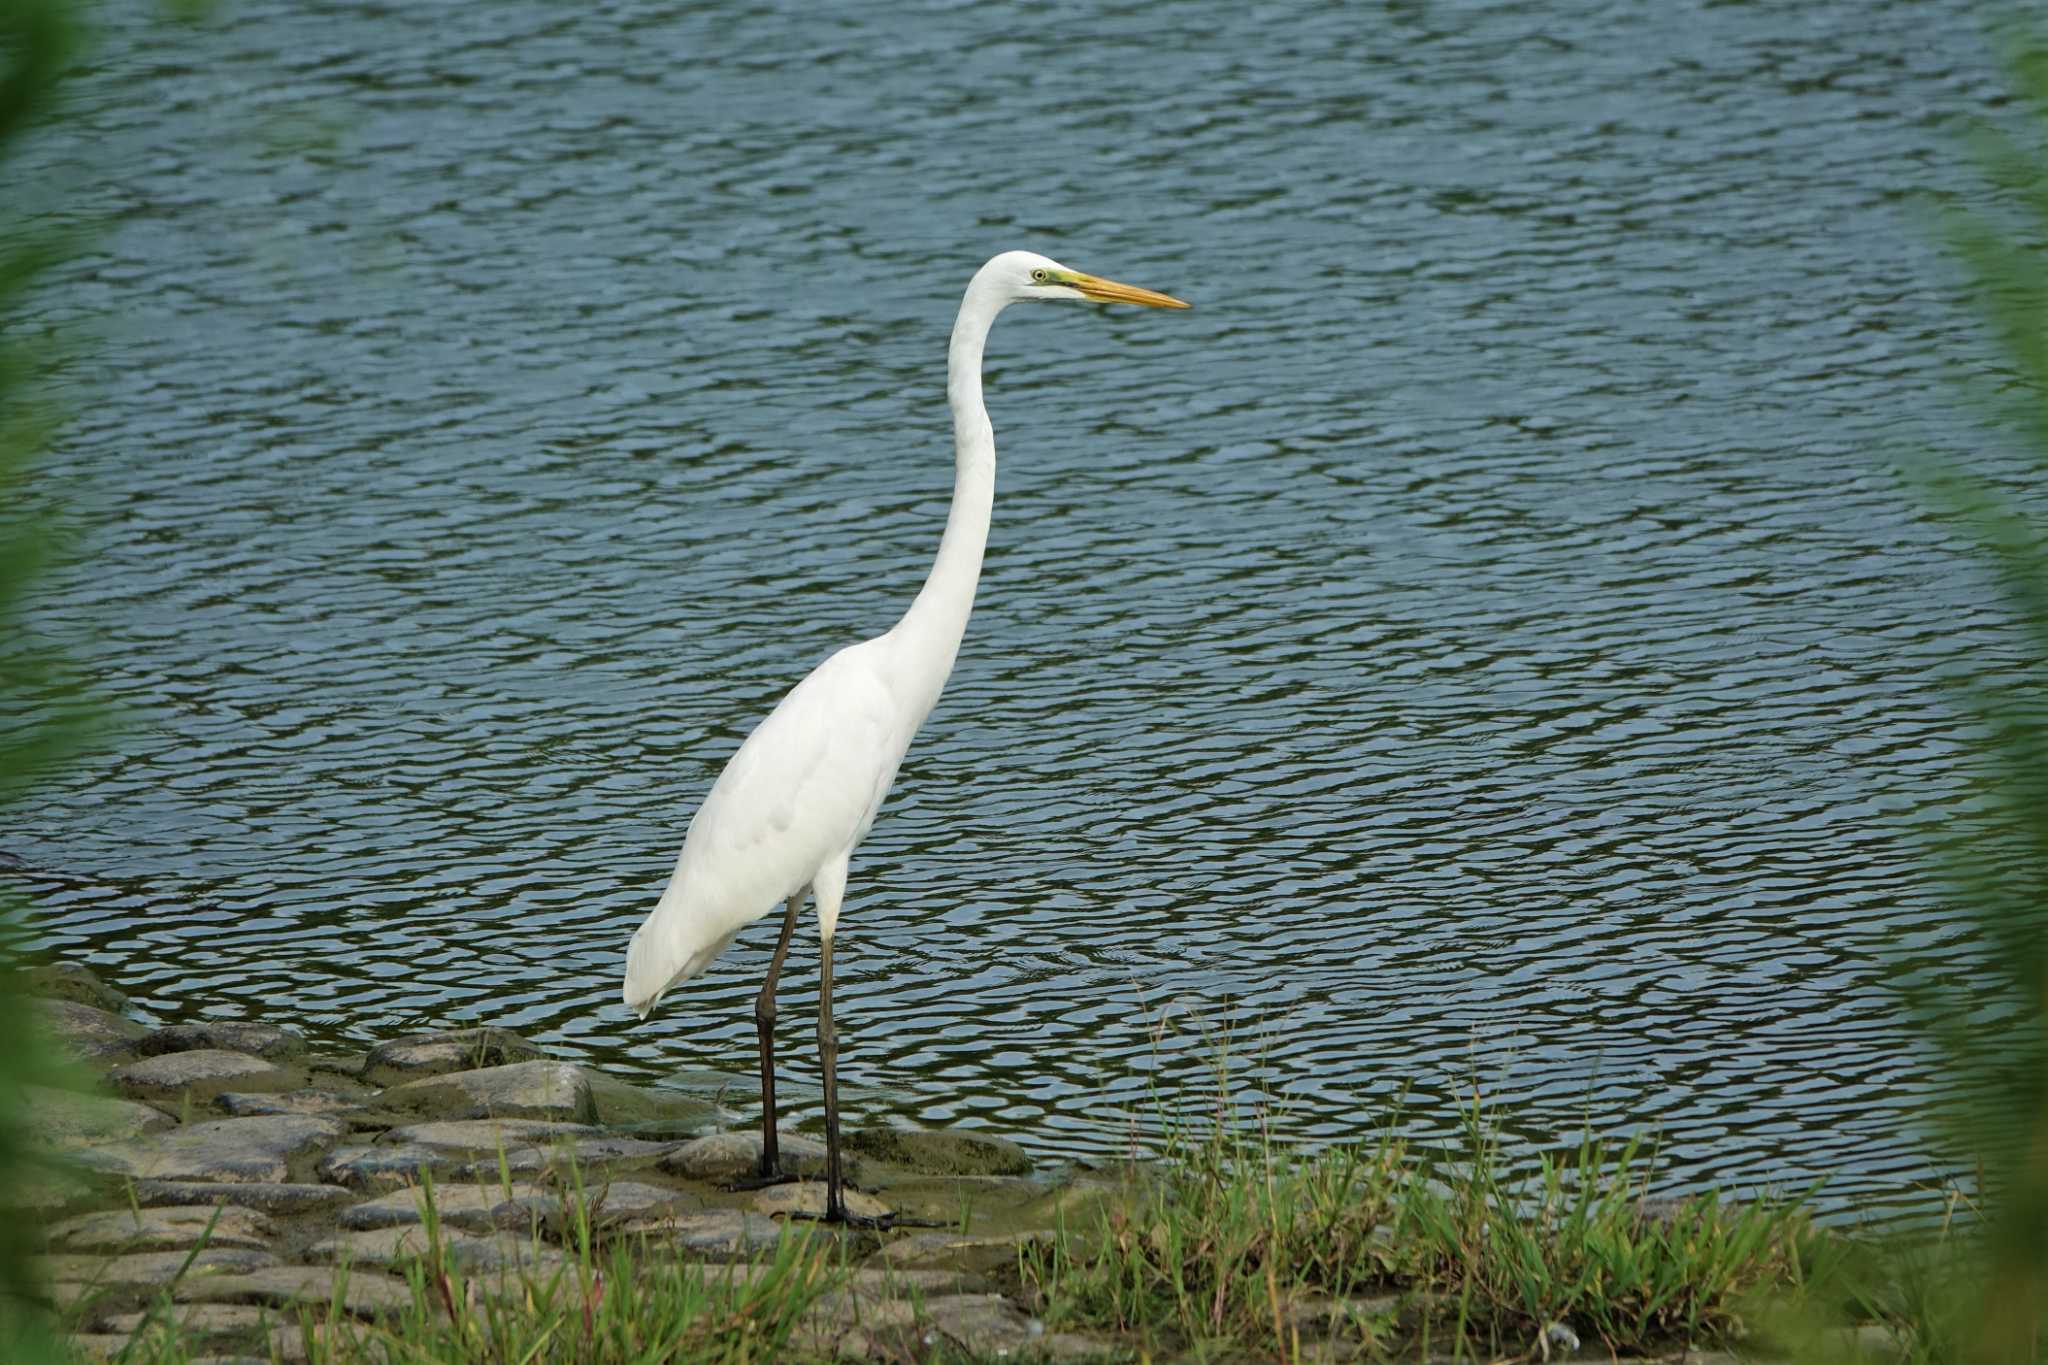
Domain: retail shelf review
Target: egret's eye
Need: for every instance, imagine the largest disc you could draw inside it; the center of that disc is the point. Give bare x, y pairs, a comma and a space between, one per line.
1040, 276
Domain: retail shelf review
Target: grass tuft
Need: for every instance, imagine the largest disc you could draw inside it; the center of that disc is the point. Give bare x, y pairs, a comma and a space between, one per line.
1246, 1248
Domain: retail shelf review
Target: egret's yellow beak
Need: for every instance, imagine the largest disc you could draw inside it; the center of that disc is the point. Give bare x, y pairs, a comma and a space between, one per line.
1109, 291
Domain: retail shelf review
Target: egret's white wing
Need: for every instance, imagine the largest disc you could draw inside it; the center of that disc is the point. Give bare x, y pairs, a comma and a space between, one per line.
800, 791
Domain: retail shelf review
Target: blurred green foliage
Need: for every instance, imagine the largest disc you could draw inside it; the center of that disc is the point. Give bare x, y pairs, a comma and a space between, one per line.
1996, 863
44, 715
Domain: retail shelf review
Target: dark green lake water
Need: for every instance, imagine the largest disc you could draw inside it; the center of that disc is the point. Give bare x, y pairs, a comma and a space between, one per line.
1480, 642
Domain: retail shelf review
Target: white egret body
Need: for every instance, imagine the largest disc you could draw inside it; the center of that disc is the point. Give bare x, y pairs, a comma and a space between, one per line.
786, 814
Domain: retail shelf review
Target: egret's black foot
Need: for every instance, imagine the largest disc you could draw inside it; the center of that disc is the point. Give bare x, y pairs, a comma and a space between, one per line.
759, 1181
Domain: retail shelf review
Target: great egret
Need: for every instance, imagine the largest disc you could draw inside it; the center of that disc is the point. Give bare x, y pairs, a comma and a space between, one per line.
791, 806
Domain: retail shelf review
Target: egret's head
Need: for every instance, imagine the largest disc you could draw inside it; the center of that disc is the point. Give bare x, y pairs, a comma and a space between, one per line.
1027, 275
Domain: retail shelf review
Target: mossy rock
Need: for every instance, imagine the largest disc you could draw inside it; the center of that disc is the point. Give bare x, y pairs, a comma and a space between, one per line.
69, 981
935, 1152
649, 1111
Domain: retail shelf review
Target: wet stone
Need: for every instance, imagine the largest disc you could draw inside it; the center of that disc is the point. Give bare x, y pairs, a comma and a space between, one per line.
158, 1229
486, 1136
255, 1104
340, 1064
610, 1204
267, 1196
198, 1076
736, 1156
224, 1035
526, 1090
62, 1120
1016, 1200
367, 1292
891, 1282
977, 1326
807, 1199
983, 1326
87, 1034
196, 1319
645, 1111
432, 1054
226, 1150
151, 1269
959, 1251
382, 1168
716, 1232
399, 1165
597, 1157
471, 1207
394, 1246
930, 1152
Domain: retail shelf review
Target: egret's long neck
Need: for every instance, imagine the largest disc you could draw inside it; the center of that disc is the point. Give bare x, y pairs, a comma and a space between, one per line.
932, 628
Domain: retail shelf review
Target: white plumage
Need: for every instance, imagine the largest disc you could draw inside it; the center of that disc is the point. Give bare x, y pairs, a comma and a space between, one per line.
785, 816
797, 797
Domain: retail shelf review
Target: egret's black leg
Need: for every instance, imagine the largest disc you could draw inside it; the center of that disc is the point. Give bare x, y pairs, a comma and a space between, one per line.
764, 1024
828, 1060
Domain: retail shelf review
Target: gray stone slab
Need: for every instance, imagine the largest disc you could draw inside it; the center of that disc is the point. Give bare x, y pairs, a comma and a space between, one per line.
225, 1150
88, 1034
161, 1229
521, 1090
431, 1054
367, 1292
715, 1232
599, 1158
736, 1156
386, 1167
253, 1104
473, 1207
482, 1137
977, 1326
807, 1199
959, 1251
608, 1203
269, 1197
197, 1319
197, 1076
62, 1120
394, 1246
396, 1166
150, 1269
224, 1035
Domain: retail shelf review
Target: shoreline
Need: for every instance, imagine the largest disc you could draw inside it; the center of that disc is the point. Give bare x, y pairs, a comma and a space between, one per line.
218, 1190
269, 1165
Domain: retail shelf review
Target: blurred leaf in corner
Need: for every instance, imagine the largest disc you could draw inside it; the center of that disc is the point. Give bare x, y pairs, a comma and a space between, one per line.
45, 715
1995, 863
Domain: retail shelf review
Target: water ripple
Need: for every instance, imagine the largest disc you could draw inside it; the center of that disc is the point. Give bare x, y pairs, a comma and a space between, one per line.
1478, 644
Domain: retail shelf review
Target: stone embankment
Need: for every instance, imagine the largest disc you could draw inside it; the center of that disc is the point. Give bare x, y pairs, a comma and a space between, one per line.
233, 1166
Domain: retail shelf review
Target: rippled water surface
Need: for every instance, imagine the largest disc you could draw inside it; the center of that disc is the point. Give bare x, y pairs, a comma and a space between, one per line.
1480, 641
